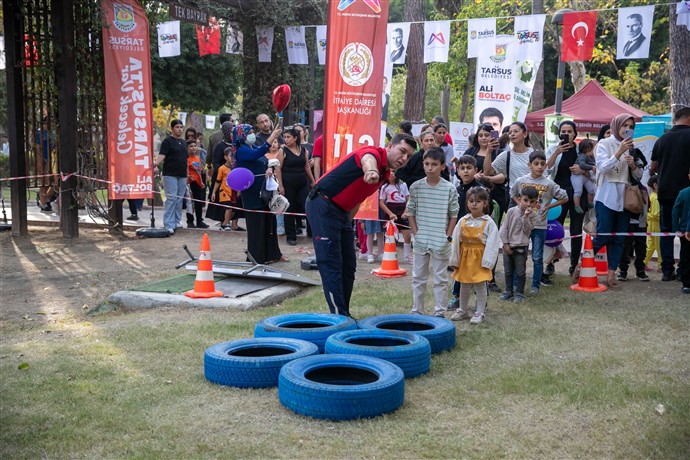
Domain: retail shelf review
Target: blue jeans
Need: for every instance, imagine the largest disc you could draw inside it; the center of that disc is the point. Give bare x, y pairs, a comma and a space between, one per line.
175, 188
538, 236
334, 246
610, 221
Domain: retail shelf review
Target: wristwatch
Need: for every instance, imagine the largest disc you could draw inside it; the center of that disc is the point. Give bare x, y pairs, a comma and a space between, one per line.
450, 239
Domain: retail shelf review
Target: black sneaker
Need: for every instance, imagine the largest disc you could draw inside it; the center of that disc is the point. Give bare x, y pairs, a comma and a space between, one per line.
668, 276
686, 290
133, 217
493, 287
201, 224
549, 270
47, 208
191, 225
642, 276
546, 281
623, 276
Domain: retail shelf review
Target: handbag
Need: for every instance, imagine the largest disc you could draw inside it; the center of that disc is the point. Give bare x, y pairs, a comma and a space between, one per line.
634, 199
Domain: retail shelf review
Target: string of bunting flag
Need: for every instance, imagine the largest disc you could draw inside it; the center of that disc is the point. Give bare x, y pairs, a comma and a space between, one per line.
634, 33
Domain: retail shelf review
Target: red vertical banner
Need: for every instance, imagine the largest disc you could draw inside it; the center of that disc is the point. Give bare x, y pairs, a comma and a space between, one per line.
129, 100
355, 55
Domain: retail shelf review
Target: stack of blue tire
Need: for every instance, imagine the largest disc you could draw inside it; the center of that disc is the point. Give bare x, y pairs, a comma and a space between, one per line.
330, 367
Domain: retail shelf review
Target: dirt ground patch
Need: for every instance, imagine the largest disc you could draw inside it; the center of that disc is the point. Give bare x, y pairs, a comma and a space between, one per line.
49, 275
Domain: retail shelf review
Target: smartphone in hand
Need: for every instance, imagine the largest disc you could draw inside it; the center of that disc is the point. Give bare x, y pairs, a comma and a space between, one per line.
629, 133
565, 139
280, 122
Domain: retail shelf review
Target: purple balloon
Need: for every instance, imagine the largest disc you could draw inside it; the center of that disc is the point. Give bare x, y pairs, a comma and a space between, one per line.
240, 179
555, 233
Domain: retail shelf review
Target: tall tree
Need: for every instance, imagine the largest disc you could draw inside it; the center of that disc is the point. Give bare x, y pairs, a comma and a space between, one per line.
538, 90
416, 69
680, 60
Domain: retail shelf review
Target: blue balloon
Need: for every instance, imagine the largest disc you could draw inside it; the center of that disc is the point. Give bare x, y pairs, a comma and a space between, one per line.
553, 212
555, 233
240, 179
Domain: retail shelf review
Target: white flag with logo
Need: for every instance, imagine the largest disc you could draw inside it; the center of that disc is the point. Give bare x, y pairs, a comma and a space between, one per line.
480, 35
398, 35
264, 41
210, 121
529, 36
234, 43
683, 12
296, 45
321, 34
169, 39
183, 117
634, 32
436, 41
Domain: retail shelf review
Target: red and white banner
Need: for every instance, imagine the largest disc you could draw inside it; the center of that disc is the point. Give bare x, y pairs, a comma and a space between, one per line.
579, 30
129, 101
356, 45
209, 37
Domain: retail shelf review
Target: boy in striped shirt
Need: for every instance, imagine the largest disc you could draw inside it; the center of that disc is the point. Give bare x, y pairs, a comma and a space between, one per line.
433, 212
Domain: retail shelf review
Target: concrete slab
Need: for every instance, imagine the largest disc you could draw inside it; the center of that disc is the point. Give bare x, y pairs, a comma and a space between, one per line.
136, 300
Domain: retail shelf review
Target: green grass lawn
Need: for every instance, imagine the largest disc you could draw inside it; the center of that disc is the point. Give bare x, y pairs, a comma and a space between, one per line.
565, 375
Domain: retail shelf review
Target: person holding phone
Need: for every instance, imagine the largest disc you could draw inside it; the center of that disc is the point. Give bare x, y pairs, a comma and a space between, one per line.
562, 165
617, 167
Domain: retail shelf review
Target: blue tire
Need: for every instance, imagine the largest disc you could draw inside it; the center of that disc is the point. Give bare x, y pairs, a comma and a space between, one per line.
440, 332
312, 327
253, 363
341, 387
410, 352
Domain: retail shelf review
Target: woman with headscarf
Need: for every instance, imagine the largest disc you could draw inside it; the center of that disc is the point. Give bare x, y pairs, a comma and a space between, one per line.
262, 235
615, 168
561, 161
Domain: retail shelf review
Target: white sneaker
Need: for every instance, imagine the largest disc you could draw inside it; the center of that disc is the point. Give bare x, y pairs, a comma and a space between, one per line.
477, 318
459, 315
281, 231
371, 259
362, 255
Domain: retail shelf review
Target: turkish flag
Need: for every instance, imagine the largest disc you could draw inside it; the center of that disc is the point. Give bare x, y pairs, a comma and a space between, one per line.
209, 37
579, 29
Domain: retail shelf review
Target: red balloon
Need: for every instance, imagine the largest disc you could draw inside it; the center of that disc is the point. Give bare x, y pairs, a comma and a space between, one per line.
281, 97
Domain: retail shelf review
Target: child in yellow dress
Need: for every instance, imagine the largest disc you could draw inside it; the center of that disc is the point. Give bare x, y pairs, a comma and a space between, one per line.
474, 252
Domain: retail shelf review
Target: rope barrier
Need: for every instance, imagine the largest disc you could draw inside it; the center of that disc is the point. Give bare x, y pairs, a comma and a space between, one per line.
65, 176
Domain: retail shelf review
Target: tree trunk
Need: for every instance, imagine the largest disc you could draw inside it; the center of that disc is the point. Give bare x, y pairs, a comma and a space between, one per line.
469, 84
415, 91
445, 102
578, 74
538, 90
679, 57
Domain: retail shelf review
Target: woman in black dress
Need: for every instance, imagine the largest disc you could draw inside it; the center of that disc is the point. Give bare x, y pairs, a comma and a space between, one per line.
294, 180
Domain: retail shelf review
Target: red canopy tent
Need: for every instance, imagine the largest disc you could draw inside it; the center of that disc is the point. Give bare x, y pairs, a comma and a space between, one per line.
592, 108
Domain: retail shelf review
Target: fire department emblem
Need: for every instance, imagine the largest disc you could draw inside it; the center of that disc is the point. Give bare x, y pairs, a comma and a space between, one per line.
356, 64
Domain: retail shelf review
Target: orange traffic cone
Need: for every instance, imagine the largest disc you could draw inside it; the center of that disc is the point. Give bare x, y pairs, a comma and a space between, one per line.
204, 286
588, 281
389, 265
601, 262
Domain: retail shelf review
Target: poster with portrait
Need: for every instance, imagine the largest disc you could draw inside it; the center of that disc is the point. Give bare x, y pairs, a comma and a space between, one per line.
398, 35
234, 42
495, 83
634, 32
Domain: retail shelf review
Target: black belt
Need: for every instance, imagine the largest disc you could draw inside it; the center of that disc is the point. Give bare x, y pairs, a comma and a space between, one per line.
317, 192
